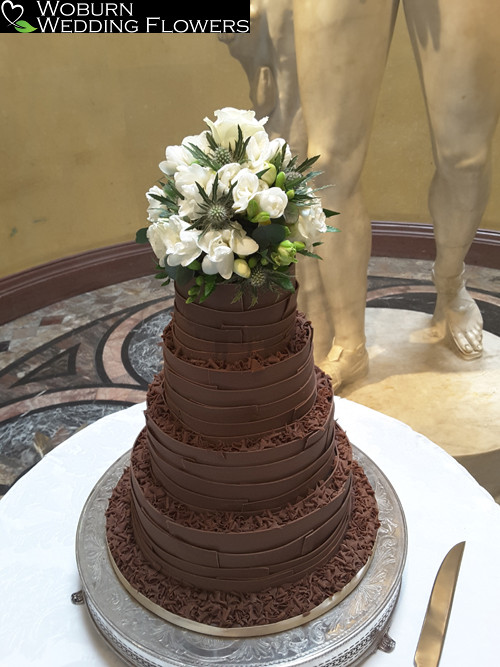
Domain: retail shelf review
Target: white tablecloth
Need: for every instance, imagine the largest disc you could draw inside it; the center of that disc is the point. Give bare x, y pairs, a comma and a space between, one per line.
443, 505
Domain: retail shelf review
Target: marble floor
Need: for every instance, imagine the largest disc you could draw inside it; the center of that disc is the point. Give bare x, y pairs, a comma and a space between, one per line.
69, 364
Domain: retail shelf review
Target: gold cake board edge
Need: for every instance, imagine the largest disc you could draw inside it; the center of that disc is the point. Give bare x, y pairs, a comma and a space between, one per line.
247, 631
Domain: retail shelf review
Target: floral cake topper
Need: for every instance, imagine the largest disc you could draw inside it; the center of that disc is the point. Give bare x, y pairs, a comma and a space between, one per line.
233, 206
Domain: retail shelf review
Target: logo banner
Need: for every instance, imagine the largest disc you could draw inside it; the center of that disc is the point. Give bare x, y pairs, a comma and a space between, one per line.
141, 16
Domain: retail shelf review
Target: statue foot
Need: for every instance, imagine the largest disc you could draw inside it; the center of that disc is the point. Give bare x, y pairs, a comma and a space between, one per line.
344, 366
458, 317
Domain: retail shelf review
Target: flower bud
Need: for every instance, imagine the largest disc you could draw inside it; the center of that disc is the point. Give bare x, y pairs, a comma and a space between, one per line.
270, 175
252, 209
195, 265
241, 268
281, 180
263, 218
290, 194
285, 254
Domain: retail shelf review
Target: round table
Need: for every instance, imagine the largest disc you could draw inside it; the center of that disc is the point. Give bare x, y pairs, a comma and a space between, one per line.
443, 505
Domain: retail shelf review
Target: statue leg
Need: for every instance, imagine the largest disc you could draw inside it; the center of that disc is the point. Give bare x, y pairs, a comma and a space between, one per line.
341, 52
457, 47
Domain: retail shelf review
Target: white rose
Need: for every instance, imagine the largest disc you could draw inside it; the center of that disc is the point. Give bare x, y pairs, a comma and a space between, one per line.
173, 239
247, 185
175, 156
156, 209
272, 201
220, 247
310, 225
225, 128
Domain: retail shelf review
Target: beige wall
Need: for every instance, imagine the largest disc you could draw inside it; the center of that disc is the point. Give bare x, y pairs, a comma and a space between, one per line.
86, 118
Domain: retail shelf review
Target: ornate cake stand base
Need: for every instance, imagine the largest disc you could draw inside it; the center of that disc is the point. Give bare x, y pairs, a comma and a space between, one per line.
345, 635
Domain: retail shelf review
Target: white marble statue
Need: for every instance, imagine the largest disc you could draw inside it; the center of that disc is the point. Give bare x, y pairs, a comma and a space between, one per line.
341, 49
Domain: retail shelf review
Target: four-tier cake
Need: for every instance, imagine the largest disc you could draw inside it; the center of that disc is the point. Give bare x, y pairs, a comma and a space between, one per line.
242, 506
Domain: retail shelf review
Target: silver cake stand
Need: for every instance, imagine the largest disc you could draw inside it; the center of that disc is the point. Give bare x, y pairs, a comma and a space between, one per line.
344, 635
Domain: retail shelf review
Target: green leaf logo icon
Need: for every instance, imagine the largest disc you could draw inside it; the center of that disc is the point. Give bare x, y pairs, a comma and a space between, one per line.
24, 26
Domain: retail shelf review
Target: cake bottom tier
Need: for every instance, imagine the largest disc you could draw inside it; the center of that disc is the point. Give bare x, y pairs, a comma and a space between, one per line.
229, 609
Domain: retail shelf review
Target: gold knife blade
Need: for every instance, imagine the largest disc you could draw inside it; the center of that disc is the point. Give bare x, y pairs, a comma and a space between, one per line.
432, 635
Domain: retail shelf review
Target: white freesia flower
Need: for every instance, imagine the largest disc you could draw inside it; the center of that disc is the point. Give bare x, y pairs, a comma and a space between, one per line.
272, 201
247, 185
225, 128
219, 258
276, 146
259, 153
240, 242
172, 239
227, 174
259, 150
311, 225
221, 245
186, 179
156, 209
175, 156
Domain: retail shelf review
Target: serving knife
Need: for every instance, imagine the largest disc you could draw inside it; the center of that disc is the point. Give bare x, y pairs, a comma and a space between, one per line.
432, 635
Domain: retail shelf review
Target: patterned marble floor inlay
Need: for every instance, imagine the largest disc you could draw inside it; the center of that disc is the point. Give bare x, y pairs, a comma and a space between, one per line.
55, 388
69, 364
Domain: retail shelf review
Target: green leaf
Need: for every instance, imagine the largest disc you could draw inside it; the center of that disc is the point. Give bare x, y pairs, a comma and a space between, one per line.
169, 204
141, 235
266, 235
24, 26
202, 159
307, 253
171, 271
171, 191
238, 294
240, 148
329, 213
209, 287
279, 157
162, 200
183, 275
284, 281
307, 163
211, 141
329, 228
291, 213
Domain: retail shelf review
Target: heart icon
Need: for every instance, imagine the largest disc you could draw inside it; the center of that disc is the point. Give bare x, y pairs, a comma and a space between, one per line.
12, 10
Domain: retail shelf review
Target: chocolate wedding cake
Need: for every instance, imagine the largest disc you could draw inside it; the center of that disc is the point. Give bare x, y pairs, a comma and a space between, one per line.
242, 506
